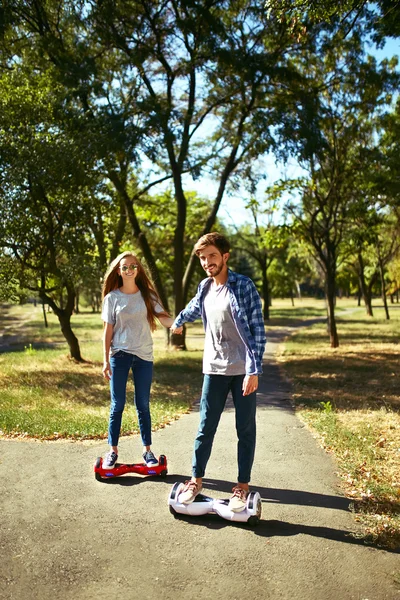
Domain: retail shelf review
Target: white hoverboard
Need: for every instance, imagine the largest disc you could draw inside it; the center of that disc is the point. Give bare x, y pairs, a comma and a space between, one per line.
203, 505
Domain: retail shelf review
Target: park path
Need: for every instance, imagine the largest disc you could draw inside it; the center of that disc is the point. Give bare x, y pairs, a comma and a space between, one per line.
63, 535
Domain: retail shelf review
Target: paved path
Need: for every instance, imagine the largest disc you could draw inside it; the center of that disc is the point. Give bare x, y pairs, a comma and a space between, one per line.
64, 535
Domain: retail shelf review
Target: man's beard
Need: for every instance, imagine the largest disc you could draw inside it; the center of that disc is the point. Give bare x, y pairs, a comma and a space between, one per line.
216, 271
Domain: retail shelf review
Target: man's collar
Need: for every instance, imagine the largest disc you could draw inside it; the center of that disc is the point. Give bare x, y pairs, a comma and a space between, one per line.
232, 276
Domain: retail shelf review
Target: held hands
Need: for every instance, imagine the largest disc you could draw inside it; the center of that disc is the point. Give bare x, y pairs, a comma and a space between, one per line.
177, 330
106, 370
250, 384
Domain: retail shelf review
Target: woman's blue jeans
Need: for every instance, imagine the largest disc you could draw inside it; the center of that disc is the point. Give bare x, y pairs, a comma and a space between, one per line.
213, 398
142, 373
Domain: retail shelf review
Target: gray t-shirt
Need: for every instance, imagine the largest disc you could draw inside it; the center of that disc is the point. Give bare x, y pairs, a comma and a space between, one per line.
224, 349
128, 314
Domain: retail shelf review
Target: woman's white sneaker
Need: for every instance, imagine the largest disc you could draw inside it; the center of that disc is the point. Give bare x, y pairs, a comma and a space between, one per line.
109, 460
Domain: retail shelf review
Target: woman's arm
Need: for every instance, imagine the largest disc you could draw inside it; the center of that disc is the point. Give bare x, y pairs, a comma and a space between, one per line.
166, 321
107, 337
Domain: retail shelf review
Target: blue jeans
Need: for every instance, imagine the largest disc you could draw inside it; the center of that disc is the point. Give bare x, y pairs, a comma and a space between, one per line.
213, 398
142, 372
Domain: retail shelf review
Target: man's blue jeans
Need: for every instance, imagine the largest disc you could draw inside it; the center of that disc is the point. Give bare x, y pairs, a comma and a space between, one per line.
142, 371
213, 398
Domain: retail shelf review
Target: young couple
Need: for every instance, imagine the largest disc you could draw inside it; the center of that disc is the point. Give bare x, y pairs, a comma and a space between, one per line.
230, 307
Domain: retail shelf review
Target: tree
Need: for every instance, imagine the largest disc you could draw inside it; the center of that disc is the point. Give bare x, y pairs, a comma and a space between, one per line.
263, 242
290, 268
334, 132
373, 235
186, 86
383, 18
43, 200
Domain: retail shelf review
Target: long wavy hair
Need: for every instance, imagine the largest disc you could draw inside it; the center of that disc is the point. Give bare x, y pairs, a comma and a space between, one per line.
113, 281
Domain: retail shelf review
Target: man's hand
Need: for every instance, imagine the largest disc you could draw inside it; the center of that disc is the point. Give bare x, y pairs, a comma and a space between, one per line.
250, 384
177, 330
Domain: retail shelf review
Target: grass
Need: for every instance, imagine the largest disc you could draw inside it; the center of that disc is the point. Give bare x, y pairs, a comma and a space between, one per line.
350, 397
44, 395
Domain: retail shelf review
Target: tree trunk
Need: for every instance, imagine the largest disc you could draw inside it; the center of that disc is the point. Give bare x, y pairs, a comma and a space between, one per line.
139, 235
64, 317
44, 316
72, 340
98, 232
383, 288
265, 292
178, 342
191, 266
118, 233
366, 292
330, 301
76, 309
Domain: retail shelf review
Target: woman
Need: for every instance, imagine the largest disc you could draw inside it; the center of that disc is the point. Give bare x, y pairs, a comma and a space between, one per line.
130, 306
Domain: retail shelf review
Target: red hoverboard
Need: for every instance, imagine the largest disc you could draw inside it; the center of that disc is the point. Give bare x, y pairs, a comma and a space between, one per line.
101, 473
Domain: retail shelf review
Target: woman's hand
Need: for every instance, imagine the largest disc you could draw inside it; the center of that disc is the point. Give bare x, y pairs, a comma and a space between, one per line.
107, 370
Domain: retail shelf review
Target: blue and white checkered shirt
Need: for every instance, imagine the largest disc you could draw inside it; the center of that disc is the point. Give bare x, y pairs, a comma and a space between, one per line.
246, 312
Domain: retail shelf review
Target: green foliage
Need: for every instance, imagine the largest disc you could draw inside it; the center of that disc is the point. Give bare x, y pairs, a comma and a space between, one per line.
327, 407
157, 214
30, 350
100, 101
383, 18
189, 88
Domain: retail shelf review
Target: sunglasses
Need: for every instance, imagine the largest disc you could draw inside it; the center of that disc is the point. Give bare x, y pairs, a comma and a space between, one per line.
132, 267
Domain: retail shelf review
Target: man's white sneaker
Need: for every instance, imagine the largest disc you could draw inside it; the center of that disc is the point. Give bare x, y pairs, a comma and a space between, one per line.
189, 492
238, 500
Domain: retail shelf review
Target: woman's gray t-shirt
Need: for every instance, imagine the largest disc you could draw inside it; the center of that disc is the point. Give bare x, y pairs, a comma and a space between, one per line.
128, 314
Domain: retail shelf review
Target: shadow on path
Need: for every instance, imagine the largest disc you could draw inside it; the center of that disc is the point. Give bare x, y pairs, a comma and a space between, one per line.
268, 495
275, 528
281, 496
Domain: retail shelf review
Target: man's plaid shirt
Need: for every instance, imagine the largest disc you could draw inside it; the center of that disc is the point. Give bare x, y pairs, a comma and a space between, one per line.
246, 312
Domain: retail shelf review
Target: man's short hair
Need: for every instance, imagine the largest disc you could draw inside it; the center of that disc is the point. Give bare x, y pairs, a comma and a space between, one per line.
212, 239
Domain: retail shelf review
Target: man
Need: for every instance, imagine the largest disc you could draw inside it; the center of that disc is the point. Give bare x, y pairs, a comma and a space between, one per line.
230, 308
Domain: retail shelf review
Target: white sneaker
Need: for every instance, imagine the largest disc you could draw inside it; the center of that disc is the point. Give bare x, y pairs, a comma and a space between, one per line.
110, 460
189, 492
238, 500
